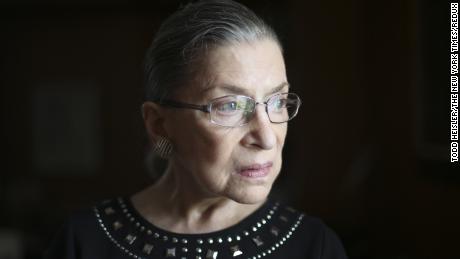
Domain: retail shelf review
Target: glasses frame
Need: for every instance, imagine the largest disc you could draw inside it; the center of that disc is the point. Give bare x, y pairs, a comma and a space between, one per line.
207, 107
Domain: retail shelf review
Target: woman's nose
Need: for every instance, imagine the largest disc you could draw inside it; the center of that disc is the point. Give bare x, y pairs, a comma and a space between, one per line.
261, 133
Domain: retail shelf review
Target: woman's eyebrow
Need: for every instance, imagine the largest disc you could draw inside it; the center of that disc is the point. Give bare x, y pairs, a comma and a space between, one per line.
279, 88
240, 90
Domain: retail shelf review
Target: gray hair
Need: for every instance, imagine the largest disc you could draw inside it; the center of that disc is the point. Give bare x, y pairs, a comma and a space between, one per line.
184, 39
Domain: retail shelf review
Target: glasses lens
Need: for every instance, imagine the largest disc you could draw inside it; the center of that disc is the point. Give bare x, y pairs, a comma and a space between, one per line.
283, 107
231, 110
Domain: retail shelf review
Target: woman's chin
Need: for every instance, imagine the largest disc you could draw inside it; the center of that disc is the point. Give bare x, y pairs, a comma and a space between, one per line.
254, 195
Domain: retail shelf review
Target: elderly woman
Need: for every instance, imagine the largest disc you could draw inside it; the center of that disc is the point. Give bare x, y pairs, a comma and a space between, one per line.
217, 107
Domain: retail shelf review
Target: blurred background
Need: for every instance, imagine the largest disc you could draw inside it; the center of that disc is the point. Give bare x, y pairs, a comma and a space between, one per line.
368, 152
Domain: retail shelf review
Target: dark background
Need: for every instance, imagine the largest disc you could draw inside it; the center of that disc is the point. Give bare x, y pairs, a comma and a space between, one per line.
368, 152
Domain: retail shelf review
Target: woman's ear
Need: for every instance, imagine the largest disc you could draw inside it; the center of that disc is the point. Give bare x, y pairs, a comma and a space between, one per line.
153, 117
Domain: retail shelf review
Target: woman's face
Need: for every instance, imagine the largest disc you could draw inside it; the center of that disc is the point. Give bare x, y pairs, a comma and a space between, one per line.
239, 163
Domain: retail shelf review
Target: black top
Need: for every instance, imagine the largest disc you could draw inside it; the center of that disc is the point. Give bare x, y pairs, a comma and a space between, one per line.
114, 229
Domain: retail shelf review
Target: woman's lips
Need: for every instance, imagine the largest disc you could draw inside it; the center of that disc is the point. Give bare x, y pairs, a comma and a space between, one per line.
256, 170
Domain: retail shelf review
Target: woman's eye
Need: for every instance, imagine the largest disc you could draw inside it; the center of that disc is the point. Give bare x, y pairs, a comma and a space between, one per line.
230, 106
280, 103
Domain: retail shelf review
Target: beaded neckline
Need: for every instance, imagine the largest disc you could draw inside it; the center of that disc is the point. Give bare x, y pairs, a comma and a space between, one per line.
259, 217
256, 236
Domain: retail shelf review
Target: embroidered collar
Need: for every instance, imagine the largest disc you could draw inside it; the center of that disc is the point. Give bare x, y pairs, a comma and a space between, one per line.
258, 235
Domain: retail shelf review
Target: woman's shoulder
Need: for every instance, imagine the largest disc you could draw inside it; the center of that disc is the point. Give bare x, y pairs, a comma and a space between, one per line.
86, 221
80, 233
104, 230
308, 236
295, 218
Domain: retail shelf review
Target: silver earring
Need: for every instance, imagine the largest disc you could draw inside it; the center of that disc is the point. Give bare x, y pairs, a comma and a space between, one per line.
163, 147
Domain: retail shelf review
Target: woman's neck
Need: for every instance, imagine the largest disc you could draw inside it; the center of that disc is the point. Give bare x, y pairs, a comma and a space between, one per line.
172, 205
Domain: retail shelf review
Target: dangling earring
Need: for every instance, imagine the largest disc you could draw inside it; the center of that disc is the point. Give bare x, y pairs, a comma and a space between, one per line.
163, 147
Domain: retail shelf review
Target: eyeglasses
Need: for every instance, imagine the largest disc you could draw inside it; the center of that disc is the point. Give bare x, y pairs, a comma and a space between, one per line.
238, 110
